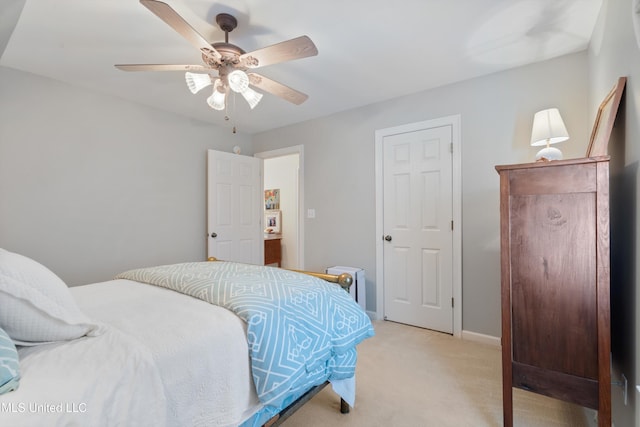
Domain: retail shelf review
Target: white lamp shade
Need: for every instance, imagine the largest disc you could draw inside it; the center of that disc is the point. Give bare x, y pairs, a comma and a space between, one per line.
196, 82
238, 81
252, 97
548, 128
217, 99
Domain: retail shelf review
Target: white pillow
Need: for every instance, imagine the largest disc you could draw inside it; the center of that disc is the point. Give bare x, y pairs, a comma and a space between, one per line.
36, 306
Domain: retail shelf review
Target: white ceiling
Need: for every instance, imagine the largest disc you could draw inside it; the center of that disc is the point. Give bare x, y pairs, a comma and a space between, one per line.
369, 50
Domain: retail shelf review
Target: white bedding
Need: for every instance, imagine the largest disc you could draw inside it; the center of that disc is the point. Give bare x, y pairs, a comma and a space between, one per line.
204, 384
54, 390
145, 369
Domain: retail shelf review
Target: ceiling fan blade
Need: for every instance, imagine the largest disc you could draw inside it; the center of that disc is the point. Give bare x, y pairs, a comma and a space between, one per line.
175, 21
278, 89
300, 47
163, 67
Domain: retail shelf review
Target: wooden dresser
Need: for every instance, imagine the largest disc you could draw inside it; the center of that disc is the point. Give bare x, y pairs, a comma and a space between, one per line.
554, 227
273, 249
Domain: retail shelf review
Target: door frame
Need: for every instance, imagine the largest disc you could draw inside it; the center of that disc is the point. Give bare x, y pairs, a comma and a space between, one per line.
299, 150
455, 122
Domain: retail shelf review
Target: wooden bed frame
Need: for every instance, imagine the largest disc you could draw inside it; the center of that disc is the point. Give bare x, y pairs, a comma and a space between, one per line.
345, 280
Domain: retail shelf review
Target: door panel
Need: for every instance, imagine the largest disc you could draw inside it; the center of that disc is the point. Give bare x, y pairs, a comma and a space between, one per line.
417, 214
430, 290
429, 202
400, 273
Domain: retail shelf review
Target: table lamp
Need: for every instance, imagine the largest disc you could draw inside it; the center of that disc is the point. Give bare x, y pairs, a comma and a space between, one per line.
548, 128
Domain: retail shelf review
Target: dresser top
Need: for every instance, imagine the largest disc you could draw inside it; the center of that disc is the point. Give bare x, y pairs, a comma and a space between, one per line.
552, 163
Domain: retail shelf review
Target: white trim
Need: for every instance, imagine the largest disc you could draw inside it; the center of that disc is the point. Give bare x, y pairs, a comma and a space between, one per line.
482, 338
296, 149
455, 123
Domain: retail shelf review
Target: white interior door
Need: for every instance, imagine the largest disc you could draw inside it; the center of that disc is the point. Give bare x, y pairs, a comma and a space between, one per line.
234, 207
417, 224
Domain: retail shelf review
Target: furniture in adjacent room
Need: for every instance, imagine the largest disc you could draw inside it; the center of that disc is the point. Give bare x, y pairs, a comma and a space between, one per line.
554, 227
273, 249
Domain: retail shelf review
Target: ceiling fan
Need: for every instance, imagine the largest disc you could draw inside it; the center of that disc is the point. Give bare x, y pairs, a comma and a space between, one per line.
230, 61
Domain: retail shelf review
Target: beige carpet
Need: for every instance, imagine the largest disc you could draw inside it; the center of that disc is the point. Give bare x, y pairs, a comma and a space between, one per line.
413, 377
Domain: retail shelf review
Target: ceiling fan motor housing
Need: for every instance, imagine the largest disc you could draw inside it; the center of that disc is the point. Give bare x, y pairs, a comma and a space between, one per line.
230, 53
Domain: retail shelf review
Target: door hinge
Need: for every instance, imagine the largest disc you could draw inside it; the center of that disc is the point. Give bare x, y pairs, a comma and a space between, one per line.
451, 147
452, 303
451, 225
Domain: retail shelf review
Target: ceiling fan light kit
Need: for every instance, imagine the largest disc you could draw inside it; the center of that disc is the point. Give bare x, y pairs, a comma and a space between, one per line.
252, 97
238, 81
229, 61
197, 82
217, 100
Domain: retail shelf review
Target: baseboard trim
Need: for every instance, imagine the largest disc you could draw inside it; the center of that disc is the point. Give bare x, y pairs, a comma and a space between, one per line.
481, 338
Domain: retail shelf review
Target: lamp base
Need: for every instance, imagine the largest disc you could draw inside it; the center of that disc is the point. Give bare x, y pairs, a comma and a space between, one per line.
549, 153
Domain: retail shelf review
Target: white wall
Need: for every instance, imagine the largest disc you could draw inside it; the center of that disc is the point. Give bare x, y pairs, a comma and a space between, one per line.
496, 112
282, 173
91, 185
615, 52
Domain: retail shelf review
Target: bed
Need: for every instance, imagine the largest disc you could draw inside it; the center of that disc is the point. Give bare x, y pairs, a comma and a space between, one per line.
192, 344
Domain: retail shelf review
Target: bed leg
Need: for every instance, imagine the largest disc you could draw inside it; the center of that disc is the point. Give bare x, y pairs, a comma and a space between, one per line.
344, 407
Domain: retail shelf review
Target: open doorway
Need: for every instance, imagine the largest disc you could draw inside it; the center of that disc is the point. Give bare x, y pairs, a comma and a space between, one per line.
283, 171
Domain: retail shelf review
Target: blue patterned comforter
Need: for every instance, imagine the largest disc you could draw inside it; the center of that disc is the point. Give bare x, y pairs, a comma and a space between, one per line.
301, 330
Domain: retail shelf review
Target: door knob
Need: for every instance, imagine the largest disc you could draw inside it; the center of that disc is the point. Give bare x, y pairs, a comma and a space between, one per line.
214, 235
387, 238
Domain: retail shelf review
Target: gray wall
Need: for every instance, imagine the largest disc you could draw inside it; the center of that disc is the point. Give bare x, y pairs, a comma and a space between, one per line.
10, 11
615, 52
91, 185
496, 112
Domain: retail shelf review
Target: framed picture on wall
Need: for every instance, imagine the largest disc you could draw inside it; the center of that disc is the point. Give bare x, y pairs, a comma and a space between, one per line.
272, 199
605, 119
272, 221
